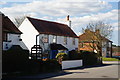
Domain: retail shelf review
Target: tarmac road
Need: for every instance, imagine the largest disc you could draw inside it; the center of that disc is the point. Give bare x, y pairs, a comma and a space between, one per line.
108, 71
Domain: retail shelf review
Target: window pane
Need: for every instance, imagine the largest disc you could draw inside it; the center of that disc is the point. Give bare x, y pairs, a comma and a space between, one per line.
45, 39
73, 41
65, 40
54, 39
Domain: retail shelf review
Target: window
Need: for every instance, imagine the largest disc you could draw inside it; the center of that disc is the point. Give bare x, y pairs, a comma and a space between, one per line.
81, 45
45, 39
73, 41
65, 40
5, 36
54, 39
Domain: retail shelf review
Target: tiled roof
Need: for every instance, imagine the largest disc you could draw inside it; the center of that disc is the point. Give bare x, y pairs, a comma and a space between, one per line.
49, 27
8, 26
91, 36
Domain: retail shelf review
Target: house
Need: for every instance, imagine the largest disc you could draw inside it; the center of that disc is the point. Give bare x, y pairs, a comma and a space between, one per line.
115, 50
88, 41
49, 36
11, 35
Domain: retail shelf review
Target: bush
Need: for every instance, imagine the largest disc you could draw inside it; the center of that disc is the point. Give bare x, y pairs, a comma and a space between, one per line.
63, 55
90, 58
15, 59
38, 66
74, 55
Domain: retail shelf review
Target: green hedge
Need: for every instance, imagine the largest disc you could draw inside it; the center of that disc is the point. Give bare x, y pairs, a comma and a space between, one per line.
74, 55
38, 66
17, 60
90, 58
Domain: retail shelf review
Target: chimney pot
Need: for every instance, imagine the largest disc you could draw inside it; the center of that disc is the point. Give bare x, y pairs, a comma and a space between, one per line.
87, 30
97, 31
68, 18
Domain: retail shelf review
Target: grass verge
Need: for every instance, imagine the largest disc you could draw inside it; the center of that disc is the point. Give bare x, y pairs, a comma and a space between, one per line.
110, 59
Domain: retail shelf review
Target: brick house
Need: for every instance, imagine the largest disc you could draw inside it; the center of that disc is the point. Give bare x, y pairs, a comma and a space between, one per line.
88, 42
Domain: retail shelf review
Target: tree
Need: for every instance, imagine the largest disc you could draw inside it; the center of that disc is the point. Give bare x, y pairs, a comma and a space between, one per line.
18, 20
104, 28
98, 32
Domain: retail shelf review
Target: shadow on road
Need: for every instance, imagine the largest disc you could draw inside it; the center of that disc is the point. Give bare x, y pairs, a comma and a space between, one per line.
39, 76
62, 73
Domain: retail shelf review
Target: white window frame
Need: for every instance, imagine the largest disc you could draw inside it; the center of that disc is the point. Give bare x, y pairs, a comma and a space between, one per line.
65, 40
73, 41
54, 39
45, 38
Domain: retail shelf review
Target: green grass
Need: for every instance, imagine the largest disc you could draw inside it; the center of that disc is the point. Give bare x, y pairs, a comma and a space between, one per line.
110, 59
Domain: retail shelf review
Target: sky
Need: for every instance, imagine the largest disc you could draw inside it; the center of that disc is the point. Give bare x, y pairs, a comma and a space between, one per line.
81, 12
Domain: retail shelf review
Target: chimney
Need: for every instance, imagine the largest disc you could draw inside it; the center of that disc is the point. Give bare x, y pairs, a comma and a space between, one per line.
68, 18
87, 30
68, 21
97, 31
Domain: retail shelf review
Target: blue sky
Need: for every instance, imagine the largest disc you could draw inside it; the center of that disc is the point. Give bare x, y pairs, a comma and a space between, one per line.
81, 12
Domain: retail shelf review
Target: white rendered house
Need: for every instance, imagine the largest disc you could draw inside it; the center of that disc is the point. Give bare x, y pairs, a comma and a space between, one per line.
44, 33
11, 34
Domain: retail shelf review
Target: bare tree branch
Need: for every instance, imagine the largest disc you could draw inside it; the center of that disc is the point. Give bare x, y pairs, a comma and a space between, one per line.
18, 20
98, 32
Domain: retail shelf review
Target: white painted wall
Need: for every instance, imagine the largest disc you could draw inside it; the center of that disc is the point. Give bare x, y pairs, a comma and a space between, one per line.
71, 64
29, 34
13, 39
60, 40
69, 45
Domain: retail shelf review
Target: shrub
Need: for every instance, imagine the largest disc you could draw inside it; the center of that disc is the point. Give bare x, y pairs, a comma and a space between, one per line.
90, 58
64, 56
38, 66
74, 55
15, 59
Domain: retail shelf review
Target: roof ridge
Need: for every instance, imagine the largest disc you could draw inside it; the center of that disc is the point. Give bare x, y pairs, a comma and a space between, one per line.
48, 21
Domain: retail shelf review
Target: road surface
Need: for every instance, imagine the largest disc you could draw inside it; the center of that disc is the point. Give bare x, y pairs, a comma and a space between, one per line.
109, 71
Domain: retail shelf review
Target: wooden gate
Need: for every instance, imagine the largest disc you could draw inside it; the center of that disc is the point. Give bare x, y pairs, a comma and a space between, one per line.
36, 52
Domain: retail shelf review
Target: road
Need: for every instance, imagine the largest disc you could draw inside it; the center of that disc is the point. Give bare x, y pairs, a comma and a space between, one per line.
107, 71
110, 70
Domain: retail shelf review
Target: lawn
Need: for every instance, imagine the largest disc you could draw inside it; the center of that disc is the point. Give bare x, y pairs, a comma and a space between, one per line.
110, 59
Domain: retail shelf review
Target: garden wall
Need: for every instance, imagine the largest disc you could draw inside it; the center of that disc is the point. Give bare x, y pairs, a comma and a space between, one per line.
71, 64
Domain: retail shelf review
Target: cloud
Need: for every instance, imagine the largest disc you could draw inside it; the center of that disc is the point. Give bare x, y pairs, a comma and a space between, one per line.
56, 8
78, 23
109, 16
82, 12
2, 2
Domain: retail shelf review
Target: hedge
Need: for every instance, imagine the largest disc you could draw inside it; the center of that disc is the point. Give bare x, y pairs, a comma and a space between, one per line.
17, 60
